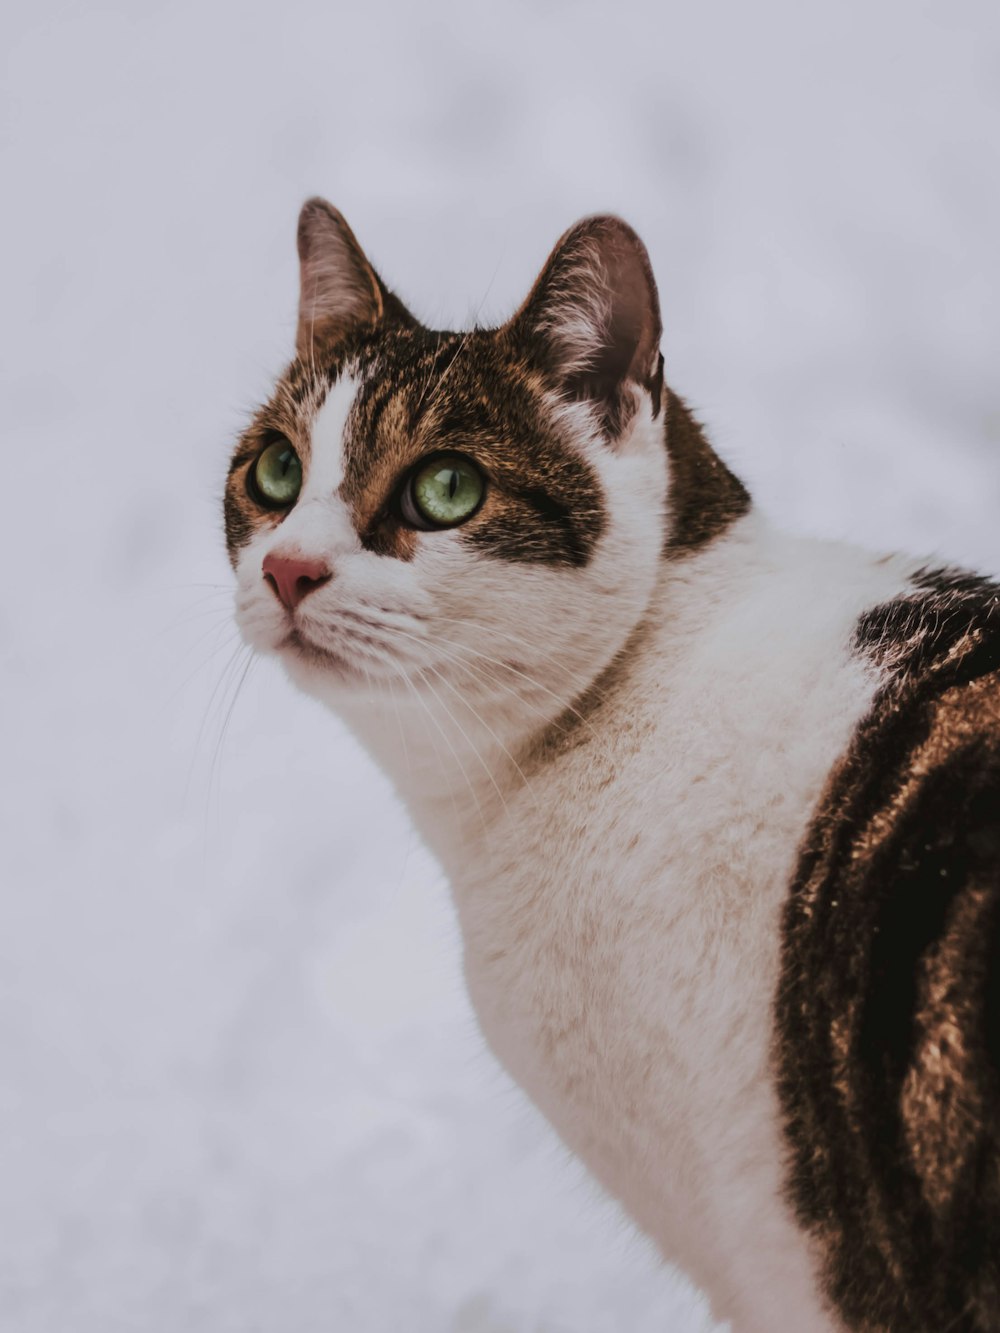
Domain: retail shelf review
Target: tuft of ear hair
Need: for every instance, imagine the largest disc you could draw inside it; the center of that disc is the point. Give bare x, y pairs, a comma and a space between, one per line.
339, 291
593, 318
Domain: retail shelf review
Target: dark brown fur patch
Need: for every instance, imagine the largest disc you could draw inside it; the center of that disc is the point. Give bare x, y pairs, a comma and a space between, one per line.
704, 496
888, 1012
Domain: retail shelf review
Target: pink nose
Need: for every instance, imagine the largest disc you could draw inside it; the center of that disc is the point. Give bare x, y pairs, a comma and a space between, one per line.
292, 576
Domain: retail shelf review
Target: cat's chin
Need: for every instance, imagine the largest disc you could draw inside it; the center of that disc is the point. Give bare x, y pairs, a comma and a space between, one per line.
322, 672
302, 657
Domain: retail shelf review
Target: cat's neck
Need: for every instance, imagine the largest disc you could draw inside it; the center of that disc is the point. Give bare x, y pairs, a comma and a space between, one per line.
464, 752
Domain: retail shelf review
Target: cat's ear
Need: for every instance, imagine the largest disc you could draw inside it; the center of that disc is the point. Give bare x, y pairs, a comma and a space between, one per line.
339, 291
593, 317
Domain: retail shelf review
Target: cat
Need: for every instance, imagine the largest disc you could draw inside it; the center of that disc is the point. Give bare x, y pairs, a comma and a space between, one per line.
720, 807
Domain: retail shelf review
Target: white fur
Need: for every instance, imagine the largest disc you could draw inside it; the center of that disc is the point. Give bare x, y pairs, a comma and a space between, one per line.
326, 454
619, 898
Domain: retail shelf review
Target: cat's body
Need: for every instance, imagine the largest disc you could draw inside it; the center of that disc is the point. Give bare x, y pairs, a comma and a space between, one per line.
618, 706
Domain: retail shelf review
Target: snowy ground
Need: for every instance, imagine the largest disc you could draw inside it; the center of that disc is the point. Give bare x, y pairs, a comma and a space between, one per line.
241, 1088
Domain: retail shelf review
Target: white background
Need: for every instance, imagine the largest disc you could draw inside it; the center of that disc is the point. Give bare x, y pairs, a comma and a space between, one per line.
240, 1086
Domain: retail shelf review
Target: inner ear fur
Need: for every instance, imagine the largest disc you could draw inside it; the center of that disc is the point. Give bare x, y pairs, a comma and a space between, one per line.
339, 291
593, 317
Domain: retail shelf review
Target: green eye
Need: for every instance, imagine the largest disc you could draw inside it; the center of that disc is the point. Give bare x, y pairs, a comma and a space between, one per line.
443, 493
277, 475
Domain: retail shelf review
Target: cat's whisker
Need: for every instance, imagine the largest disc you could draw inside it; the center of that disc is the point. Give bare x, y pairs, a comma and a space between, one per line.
523, 675
399, 724
222, 617
229, 642
421, 712
438, 642
448, 369
430, 374
224, 676
474, 748
215, 769
454, 753
566, 705
476, 671
379, 618
465, 340
190, 618
214, 600
373, 651
468, 669
223, 589
483, 723
481, 674
198, 608
522, 640
426, 715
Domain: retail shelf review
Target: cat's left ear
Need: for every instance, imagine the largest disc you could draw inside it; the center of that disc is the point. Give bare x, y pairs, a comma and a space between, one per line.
593, 319
339, 291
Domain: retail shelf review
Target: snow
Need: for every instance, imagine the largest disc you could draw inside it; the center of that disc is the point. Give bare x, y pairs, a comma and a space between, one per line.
242, 1088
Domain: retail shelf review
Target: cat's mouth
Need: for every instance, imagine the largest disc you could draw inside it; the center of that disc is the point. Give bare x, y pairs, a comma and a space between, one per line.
353, 645
356, 654
318, 655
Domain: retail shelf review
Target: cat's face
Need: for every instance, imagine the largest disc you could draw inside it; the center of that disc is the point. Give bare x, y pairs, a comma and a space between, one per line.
437, 512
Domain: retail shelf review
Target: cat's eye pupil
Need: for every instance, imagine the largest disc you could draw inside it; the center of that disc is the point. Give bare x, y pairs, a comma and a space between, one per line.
444, 492
277, 475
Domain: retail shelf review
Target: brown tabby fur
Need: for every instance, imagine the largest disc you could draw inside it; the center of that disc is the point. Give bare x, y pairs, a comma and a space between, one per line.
889, 1007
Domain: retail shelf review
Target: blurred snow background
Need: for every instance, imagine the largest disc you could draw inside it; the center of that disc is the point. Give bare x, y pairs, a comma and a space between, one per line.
240, 1085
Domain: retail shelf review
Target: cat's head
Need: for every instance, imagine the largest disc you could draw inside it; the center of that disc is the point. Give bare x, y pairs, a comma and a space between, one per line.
479, 511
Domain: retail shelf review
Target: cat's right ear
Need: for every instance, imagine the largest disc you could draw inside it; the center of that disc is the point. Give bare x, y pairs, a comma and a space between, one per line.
593, 319
339, 291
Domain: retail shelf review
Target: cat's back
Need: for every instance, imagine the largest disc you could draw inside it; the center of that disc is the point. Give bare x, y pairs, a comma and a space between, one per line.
888, 1032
